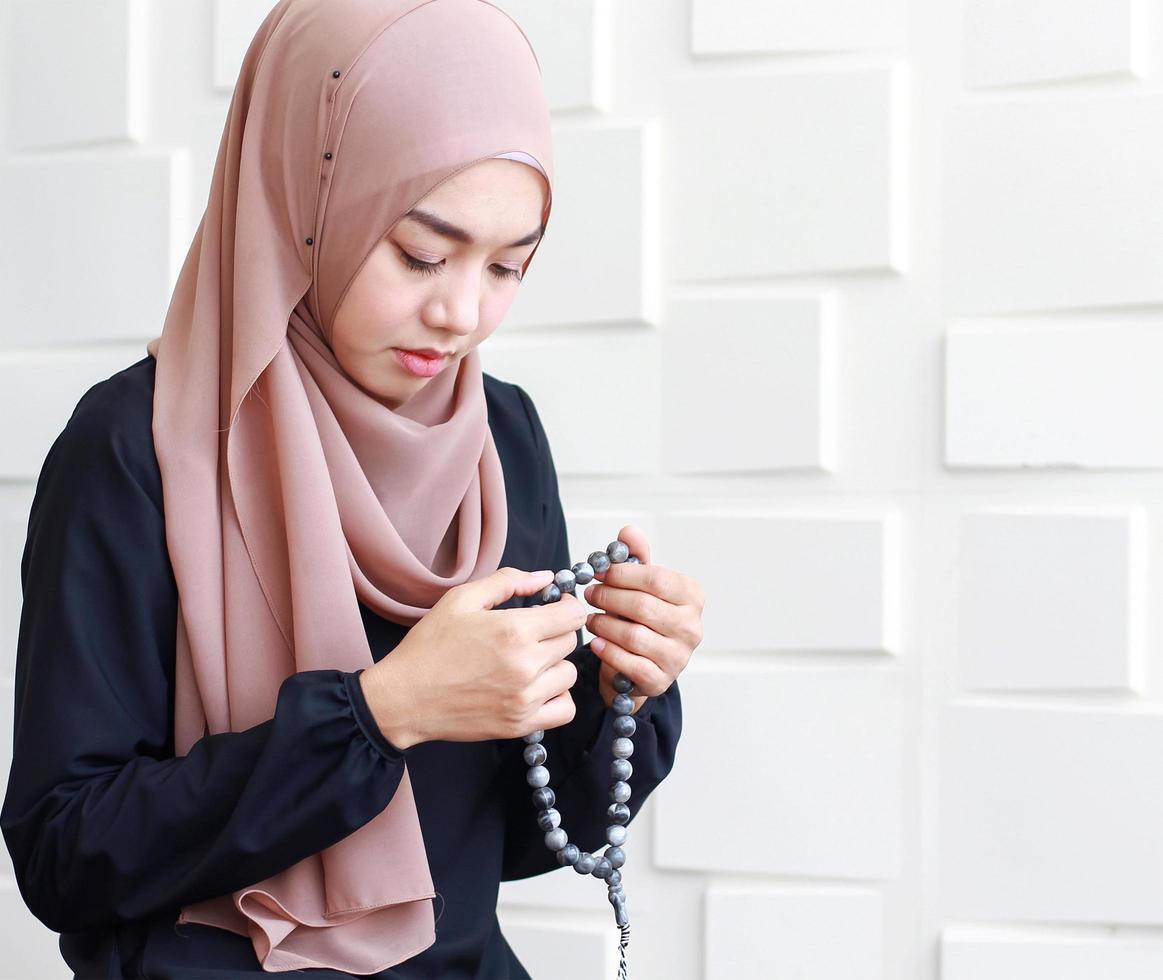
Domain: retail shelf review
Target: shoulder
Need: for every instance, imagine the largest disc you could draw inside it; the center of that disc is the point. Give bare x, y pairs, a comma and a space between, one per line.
109, 436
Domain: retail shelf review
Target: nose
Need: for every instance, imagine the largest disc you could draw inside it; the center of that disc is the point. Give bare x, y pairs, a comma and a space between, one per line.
455, 304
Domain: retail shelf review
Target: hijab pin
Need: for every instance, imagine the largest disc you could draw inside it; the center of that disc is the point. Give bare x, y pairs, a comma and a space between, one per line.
335, 74
310, 241
327, 155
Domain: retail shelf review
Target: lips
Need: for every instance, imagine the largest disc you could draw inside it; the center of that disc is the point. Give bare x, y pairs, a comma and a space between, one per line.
418, 365
427, 352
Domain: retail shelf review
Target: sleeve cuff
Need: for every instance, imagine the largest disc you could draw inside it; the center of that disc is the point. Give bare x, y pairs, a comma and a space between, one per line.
647, 708
366, 720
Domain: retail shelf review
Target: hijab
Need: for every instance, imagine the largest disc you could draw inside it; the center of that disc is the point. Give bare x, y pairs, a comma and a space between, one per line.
291, 493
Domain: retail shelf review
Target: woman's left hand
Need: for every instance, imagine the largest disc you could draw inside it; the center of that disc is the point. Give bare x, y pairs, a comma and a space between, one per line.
653, 622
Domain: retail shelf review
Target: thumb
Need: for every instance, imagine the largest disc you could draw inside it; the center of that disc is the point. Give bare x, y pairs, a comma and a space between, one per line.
507, 582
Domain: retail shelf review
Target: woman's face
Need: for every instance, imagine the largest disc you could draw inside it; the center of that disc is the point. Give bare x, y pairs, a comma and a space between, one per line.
396, 303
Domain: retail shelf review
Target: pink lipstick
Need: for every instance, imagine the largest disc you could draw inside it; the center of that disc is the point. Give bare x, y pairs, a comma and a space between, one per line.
417, 364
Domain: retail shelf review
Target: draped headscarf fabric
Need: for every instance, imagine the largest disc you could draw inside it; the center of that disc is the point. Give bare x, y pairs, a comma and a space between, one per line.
291, 493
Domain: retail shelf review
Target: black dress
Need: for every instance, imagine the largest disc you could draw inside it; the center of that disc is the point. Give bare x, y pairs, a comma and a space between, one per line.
110, 834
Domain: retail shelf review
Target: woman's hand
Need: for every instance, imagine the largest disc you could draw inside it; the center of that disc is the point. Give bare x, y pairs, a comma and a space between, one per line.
467, 671
653, 626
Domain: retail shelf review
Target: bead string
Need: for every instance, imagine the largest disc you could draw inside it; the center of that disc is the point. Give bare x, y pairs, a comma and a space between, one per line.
607, 866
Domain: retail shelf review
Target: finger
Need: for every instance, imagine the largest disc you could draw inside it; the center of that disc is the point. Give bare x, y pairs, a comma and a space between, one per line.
555, 650
606, 686
659, 581
567, 614
557, 711
639, 640
639, 607
634, 538
556, 679
647, 676
501, 586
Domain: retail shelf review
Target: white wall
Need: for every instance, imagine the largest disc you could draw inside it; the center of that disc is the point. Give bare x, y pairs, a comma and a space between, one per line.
922, 737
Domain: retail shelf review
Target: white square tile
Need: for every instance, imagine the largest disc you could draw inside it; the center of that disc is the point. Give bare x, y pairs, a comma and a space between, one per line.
1051, 814
89, 84
1044, 204
1080, 394
778, 174
742, 26
1015, 42
759, 933
750, 384
974, 954
102, 236
834, 577
1051, 601
807, 769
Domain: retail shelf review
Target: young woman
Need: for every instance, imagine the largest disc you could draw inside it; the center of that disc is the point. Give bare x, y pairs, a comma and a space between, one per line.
218, 769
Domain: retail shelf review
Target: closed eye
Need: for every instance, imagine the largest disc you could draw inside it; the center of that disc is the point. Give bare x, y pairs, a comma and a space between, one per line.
431, 268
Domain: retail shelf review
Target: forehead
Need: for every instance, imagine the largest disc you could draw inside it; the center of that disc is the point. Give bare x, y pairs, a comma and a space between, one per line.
506, 194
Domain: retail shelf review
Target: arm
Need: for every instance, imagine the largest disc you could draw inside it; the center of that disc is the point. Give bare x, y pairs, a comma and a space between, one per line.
103, 824
579, 753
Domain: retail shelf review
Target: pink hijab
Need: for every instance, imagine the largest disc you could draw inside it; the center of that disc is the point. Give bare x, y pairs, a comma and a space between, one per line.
290, 492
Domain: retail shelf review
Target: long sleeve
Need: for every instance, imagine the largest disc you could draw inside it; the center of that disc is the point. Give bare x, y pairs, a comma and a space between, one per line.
579, 753
103, 824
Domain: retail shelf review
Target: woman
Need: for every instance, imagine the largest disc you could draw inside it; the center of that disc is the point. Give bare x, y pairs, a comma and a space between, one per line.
218, 771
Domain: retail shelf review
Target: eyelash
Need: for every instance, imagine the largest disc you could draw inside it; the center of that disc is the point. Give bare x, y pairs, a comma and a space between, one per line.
429, 268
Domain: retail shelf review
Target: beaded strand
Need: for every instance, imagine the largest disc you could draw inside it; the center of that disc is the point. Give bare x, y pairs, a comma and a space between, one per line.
607, 866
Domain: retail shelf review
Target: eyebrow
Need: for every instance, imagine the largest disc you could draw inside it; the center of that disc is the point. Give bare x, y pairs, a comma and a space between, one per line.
448, 230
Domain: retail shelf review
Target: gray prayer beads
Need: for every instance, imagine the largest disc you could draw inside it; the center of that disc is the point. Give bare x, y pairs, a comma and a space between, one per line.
605, 866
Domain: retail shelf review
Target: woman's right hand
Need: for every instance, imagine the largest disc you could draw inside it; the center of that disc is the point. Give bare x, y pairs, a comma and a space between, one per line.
466, 672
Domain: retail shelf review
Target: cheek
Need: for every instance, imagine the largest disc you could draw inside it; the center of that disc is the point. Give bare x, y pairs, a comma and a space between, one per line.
371, 313
493, 310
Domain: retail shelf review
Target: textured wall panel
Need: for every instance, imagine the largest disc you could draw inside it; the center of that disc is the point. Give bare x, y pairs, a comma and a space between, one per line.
1046, 207
42, 390
14, 507
757, 933
234, 24
741, 26
749, 384
1051, 601
1077, 394
968, 955
794, 581
749, 204
88, 85
548, 947
598, 261
101, 237
1051, 814
1011, 42
597, 395
983, 157
795, 771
